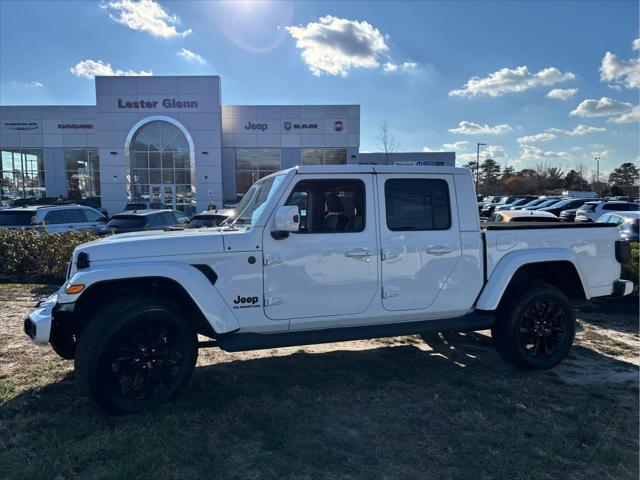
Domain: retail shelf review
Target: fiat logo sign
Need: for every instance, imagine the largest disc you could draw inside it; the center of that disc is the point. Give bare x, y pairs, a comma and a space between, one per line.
338, 126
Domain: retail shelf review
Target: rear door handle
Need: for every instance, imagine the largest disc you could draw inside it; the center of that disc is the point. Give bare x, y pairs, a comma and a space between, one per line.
358, 252
439, 249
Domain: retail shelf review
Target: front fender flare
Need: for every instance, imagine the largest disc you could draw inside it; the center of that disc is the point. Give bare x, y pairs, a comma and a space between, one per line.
194, 282
509, 264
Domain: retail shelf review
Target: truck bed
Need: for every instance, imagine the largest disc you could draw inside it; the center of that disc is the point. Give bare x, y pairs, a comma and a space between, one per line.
542, 225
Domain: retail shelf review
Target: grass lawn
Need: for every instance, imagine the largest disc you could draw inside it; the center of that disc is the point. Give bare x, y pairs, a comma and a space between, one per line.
428, 407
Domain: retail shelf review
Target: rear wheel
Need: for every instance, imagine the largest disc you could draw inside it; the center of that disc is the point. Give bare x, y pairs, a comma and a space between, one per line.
535, 326
135, 355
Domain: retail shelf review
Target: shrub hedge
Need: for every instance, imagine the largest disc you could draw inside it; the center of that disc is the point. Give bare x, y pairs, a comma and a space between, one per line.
37, 257
630, 268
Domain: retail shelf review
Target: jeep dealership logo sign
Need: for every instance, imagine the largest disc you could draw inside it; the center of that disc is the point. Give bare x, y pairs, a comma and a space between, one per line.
256, 126
21, 125
299, 126
338, 126
166, 103
75, 126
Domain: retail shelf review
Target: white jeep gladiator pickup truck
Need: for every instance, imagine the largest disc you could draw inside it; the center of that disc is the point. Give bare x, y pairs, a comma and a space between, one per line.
317, 255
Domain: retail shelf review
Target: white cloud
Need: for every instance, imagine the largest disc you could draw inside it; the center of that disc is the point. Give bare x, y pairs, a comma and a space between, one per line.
605, 107
145, 16
629, 117
455, 146
92, 68
191, 56
508, 80
529, 152
428, 149
34, 84
620, 72
335, 45
602, 154
495, 151
394, 67
470, 128
583, 130
467, 157
538, 137
636, 44
562, 93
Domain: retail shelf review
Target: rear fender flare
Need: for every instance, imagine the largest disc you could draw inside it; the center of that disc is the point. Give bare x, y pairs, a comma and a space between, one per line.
508, 266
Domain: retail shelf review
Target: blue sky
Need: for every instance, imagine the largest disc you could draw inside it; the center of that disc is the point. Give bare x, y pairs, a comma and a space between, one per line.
443, 75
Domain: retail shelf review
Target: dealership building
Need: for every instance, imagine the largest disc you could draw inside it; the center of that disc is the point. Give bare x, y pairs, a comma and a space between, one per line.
171, 140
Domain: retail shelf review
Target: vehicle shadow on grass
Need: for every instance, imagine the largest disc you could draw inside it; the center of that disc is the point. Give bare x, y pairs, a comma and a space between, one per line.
438, 409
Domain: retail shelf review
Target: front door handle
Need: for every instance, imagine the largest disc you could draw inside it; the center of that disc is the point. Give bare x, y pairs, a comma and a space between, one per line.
439, 249
358, 252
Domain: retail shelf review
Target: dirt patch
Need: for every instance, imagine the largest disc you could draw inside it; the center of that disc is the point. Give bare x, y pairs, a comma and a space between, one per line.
433, 406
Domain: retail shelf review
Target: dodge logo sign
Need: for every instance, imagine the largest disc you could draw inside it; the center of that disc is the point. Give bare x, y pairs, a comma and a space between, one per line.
75, 125
338, 126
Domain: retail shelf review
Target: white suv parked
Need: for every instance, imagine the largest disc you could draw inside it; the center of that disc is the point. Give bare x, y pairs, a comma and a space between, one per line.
53, 218
591, 211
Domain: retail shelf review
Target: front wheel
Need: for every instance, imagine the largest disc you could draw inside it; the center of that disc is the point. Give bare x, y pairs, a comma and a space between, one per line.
534, 326
135, 355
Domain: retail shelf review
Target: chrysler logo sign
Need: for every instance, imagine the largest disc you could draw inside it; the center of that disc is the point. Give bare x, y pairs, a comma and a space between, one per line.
299, 126
21, 125
338, 126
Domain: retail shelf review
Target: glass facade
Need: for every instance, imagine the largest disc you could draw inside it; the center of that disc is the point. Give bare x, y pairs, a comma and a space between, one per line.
22, 173
160, 169
83, 173
252, 164
324, 156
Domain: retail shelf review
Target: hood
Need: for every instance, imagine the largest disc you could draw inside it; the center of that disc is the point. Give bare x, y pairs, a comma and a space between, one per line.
129, 246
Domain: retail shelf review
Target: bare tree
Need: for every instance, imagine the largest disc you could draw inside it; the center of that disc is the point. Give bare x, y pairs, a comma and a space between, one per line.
387, 140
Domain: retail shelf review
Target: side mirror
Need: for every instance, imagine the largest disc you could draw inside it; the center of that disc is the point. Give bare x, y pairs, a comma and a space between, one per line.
287, 220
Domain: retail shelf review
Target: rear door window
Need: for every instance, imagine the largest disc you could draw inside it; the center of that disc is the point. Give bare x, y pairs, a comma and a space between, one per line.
56, 217
76, 215
417, 204
16, 218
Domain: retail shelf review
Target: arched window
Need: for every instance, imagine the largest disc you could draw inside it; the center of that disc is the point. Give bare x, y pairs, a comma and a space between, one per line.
161, 170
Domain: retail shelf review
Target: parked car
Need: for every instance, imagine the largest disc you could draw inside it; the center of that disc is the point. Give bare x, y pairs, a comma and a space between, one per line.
519, 202
383, 251
568, 215
140, 220
210, 218
566, 204
489, 208
52, 218
591, 211
627, 222
547, 203
507, 216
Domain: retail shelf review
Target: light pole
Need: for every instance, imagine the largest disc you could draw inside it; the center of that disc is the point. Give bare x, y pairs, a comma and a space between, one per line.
597, 159
478, 165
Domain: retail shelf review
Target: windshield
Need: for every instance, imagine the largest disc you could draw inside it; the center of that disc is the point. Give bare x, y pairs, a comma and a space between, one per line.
15, 218
254, 201
548, 203
128, 221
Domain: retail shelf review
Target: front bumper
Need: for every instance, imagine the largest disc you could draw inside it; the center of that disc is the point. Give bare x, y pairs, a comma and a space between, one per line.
38, 324
622, 288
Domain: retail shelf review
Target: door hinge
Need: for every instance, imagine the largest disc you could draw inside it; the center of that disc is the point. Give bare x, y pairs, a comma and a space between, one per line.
388, 292
271, 259
273, 300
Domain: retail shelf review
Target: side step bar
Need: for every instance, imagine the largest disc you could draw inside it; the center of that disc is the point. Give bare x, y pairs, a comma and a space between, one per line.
239, 342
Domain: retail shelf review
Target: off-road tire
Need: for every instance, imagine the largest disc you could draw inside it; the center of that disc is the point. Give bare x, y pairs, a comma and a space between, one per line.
535, 314
123, 327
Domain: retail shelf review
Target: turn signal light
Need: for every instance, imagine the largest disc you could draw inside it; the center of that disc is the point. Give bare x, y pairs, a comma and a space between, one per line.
73, 289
